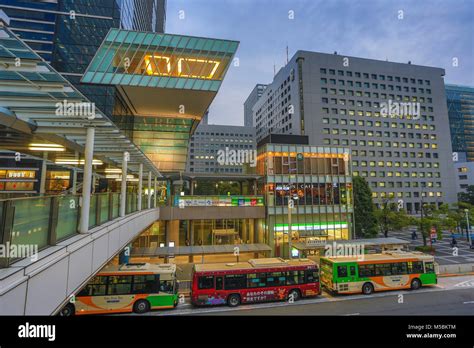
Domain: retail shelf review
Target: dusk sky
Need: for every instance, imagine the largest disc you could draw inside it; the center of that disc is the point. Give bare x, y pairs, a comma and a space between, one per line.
431, 33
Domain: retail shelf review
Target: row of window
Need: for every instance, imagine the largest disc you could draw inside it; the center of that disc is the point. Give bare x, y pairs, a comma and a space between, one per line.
404, 194
385, 124
381, 86
361, 103
311, 194
257, 280
130, 284
374, 76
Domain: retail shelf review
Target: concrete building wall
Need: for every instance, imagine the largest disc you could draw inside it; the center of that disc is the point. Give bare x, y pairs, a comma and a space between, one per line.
208, 139
464, 175
250, 102
402, 154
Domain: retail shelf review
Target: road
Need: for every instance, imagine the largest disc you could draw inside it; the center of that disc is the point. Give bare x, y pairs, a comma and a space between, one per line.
452, 296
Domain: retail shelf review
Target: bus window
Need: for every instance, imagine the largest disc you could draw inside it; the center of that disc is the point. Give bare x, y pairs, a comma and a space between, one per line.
366, 271
399, 268
219, 283
341, 271
235, 281
295, 277
166, 286
311, 276
352, 271
429, 267
276, 279
145, 284
119, 285
415, 267
383, 269
206, 282
256, 280
96, 287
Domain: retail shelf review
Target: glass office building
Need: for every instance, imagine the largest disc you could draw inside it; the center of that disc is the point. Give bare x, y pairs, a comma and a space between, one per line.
34, 22
460, 101
319, 181
67, 33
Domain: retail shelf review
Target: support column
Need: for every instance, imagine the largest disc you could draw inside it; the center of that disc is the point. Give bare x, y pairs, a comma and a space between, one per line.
192, 187
87, 180
74, 175
43, 174
149, 190
255, 187
123, 187
140, 186
154, 191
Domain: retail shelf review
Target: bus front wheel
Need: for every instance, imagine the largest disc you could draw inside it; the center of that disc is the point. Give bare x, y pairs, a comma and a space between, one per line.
141, 306
367, 288
233, 300
415, 284
67, 311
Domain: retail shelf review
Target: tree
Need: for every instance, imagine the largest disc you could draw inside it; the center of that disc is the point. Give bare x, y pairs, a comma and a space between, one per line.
390, 218
365, 220
468, 196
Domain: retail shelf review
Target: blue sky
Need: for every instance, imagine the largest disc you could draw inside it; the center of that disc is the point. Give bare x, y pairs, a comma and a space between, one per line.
431, 33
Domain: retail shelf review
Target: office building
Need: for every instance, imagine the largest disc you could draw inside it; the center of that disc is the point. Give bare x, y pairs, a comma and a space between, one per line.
250, 102
208, 139
67, 33
464, 175
393, 116
461, 121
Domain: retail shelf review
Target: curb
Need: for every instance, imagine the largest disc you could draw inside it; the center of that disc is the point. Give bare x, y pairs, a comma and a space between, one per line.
455, 274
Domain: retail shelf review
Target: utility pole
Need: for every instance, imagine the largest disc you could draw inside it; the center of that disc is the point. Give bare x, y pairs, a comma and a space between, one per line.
468, 227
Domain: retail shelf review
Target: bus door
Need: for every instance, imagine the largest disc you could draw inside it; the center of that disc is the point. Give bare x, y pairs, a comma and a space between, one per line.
343, 277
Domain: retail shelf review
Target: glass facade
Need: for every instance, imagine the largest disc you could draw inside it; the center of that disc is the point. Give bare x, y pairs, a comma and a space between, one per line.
319, 181
166, 84
31, 22
460, 101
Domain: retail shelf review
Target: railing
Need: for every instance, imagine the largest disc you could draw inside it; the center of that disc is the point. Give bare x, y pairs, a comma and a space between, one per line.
34, 223
218, 201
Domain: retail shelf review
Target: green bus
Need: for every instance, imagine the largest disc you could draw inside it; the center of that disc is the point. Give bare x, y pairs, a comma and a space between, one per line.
377, 272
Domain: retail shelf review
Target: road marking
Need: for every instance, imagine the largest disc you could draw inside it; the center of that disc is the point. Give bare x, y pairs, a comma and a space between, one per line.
352, 314
467, 302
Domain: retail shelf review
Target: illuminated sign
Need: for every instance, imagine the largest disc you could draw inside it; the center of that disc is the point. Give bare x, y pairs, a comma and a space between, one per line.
181, 66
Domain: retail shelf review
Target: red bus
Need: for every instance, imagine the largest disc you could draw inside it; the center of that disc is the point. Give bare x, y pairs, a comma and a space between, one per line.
258, 280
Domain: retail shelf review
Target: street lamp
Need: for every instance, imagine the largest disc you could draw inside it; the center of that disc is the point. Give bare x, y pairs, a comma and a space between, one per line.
468, 227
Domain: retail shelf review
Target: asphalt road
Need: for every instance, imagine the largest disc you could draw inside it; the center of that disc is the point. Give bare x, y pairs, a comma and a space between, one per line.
452, 296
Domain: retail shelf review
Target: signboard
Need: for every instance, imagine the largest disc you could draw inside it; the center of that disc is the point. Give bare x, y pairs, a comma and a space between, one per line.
299, 156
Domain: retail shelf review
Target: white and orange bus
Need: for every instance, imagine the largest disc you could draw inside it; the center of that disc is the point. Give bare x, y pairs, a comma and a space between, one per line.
127, 288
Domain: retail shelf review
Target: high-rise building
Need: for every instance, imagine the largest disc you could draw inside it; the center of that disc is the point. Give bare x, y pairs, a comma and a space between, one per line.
250, 102
67, 33
208, 139
461, 121
392, 115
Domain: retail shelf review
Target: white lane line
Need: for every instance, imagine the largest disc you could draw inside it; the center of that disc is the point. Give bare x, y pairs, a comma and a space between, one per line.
350, 314
468, 302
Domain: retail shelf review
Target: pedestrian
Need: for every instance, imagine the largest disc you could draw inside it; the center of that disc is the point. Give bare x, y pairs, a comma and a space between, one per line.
414, 235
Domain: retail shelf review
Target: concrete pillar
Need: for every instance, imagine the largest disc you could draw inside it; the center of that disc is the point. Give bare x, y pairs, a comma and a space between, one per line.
244, 230
154, 190
255, 187
149, 190
140, 186
123, 187
252, 231
43, 174
172, 232
192, 187
74, 175
87, 180
191, 232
